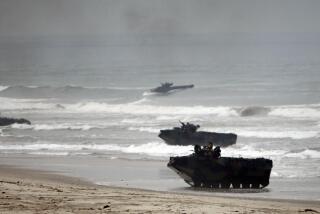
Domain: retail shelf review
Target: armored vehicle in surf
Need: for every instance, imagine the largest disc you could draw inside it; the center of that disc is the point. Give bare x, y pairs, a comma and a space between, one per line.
188, 134
6, 121
201, 169
167, 87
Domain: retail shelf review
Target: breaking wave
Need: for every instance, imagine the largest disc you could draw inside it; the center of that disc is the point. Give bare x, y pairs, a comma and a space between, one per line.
135, 121
138, 107
145, 129
163, 112
299, 112
152, 148
161, 150
102, 107
251, 152
133, 108
279, 134
25, 104
47, 127
253, 111
294, 111
305, 154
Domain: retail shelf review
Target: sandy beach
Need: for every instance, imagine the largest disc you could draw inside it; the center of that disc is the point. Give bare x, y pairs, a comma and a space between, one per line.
96, 102
31, 191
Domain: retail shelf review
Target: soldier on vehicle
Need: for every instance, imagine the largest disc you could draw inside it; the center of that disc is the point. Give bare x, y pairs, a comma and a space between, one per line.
183, 126
217, 152
208, 150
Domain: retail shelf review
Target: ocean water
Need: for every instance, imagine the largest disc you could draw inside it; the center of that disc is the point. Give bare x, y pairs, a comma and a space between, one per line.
94, 101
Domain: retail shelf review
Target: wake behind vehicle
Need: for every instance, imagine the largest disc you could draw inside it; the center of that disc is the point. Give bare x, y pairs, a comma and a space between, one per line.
207, 169
188, 134
167, 87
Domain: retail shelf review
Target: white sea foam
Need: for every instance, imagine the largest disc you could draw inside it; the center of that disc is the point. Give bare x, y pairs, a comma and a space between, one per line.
275, 174
265, 133
296, 111
150, 109
143, 100
113, 158
135, 121
140, 107
40, 146
197, 118
160, 149
148, 93
145, 129
24, 104
293, 173
278, 134
306, 154
42, 127
250, 152
166, 112
152, 148
165, 117
293, 111
157, 149
2, 88
50, 153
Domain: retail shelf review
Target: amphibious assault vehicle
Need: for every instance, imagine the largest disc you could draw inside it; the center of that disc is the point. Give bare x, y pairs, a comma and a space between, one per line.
6, 121
187, 134
166, 87
208, 169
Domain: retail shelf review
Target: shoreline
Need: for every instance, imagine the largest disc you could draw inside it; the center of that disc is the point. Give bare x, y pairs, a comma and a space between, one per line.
154, 175
30, 191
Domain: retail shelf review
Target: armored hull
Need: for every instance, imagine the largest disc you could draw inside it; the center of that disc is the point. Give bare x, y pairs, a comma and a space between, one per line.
5, 121
224, 172
165, 88
178, 137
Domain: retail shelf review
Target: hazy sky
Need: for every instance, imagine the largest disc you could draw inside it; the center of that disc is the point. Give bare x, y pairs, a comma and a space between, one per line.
102, 17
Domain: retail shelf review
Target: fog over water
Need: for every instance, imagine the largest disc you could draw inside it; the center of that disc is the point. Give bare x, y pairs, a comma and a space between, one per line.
82, 71
96, 17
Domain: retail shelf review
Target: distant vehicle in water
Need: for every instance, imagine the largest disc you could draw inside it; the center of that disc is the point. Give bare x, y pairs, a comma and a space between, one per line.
187, 134
6, 121
167, 86
205, 168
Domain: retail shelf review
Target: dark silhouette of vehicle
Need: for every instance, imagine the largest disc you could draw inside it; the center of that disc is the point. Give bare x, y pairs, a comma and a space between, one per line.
6, 121
206, 168
187, 134
167, 87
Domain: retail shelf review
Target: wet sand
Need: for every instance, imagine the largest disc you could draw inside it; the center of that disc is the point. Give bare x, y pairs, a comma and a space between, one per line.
32, 191
155, 175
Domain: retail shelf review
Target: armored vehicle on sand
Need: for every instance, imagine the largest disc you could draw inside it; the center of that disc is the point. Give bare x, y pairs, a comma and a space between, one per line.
187, 134
205, 168
166, 87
